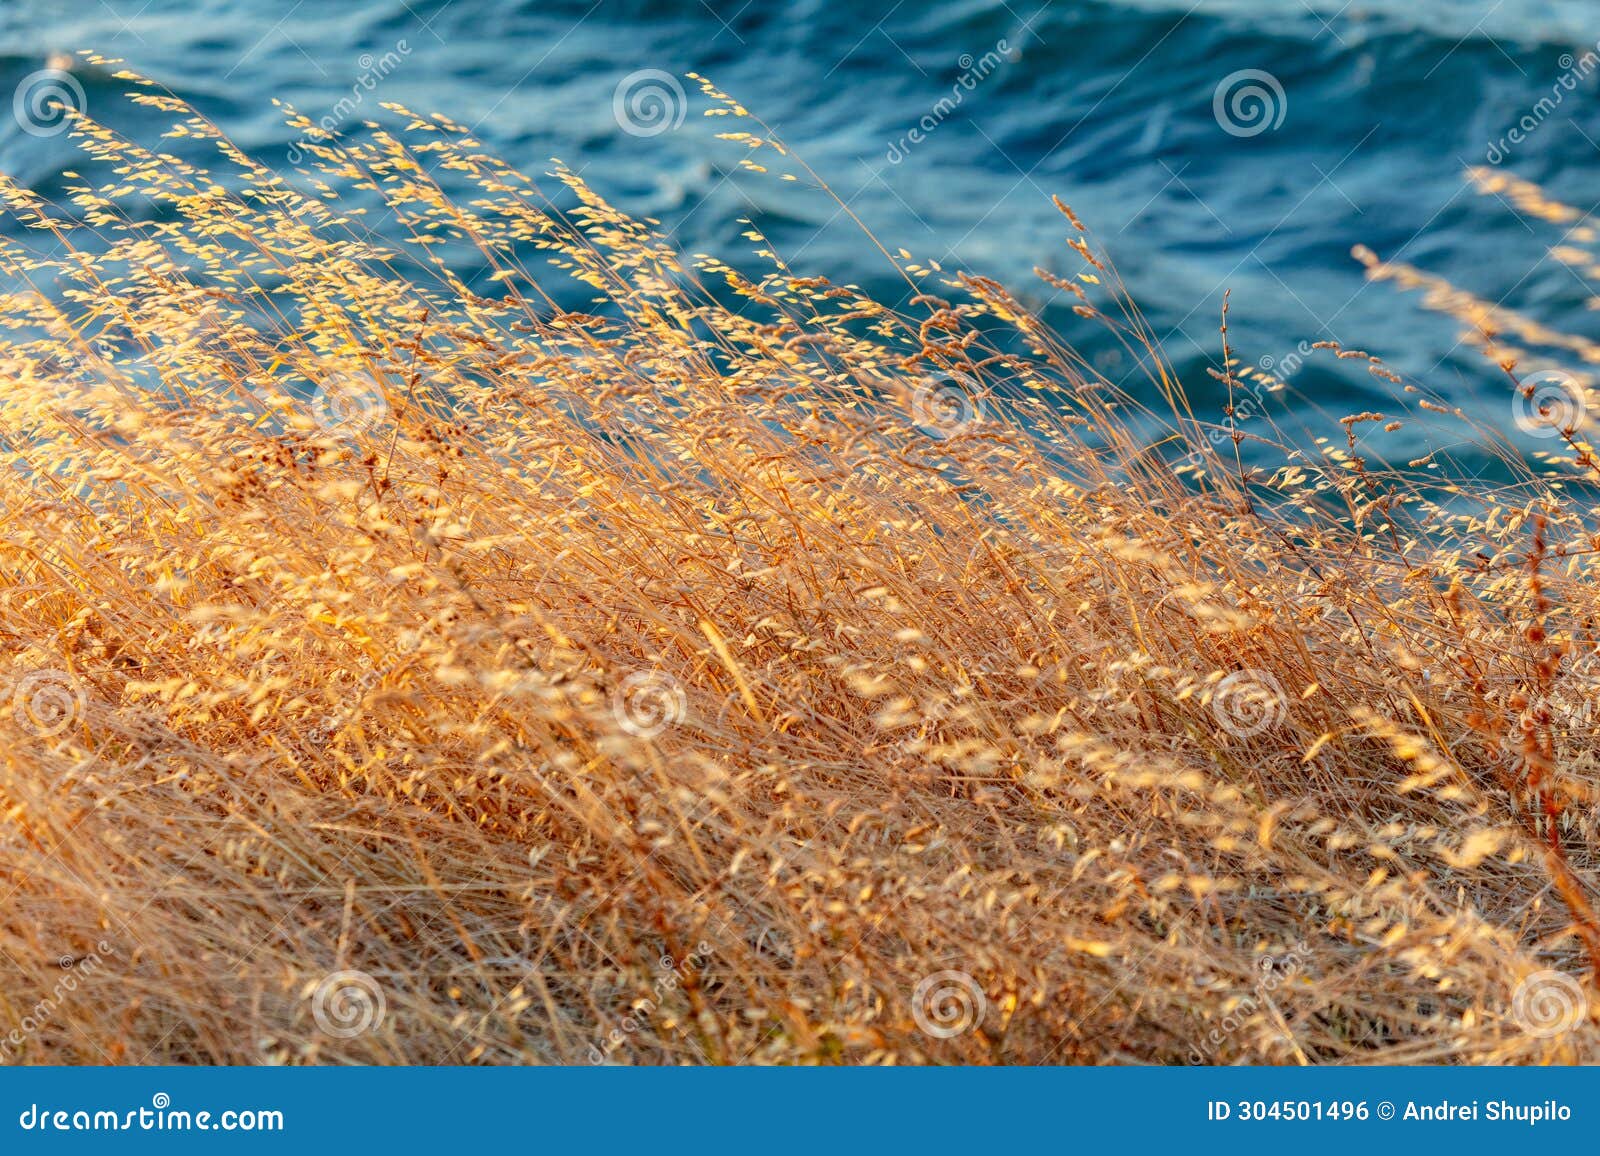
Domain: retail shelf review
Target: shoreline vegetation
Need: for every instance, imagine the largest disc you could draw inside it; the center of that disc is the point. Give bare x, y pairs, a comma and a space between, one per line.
743, 670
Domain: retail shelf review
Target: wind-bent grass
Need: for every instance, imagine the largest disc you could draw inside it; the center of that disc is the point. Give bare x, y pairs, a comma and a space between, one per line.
407, 671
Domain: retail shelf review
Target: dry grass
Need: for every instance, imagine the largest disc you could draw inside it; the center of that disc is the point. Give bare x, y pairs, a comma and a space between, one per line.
357, 620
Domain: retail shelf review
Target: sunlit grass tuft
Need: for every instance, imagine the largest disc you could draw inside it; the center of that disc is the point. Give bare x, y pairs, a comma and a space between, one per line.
691, 677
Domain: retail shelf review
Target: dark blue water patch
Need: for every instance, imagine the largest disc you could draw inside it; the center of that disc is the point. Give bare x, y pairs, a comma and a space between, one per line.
1110, 105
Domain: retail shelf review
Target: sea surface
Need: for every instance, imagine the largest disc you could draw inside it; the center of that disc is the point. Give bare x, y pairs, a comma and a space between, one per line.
946, 125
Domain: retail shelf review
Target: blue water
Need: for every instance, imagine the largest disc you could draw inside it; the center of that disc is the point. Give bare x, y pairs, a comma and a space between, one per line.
1109, 104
